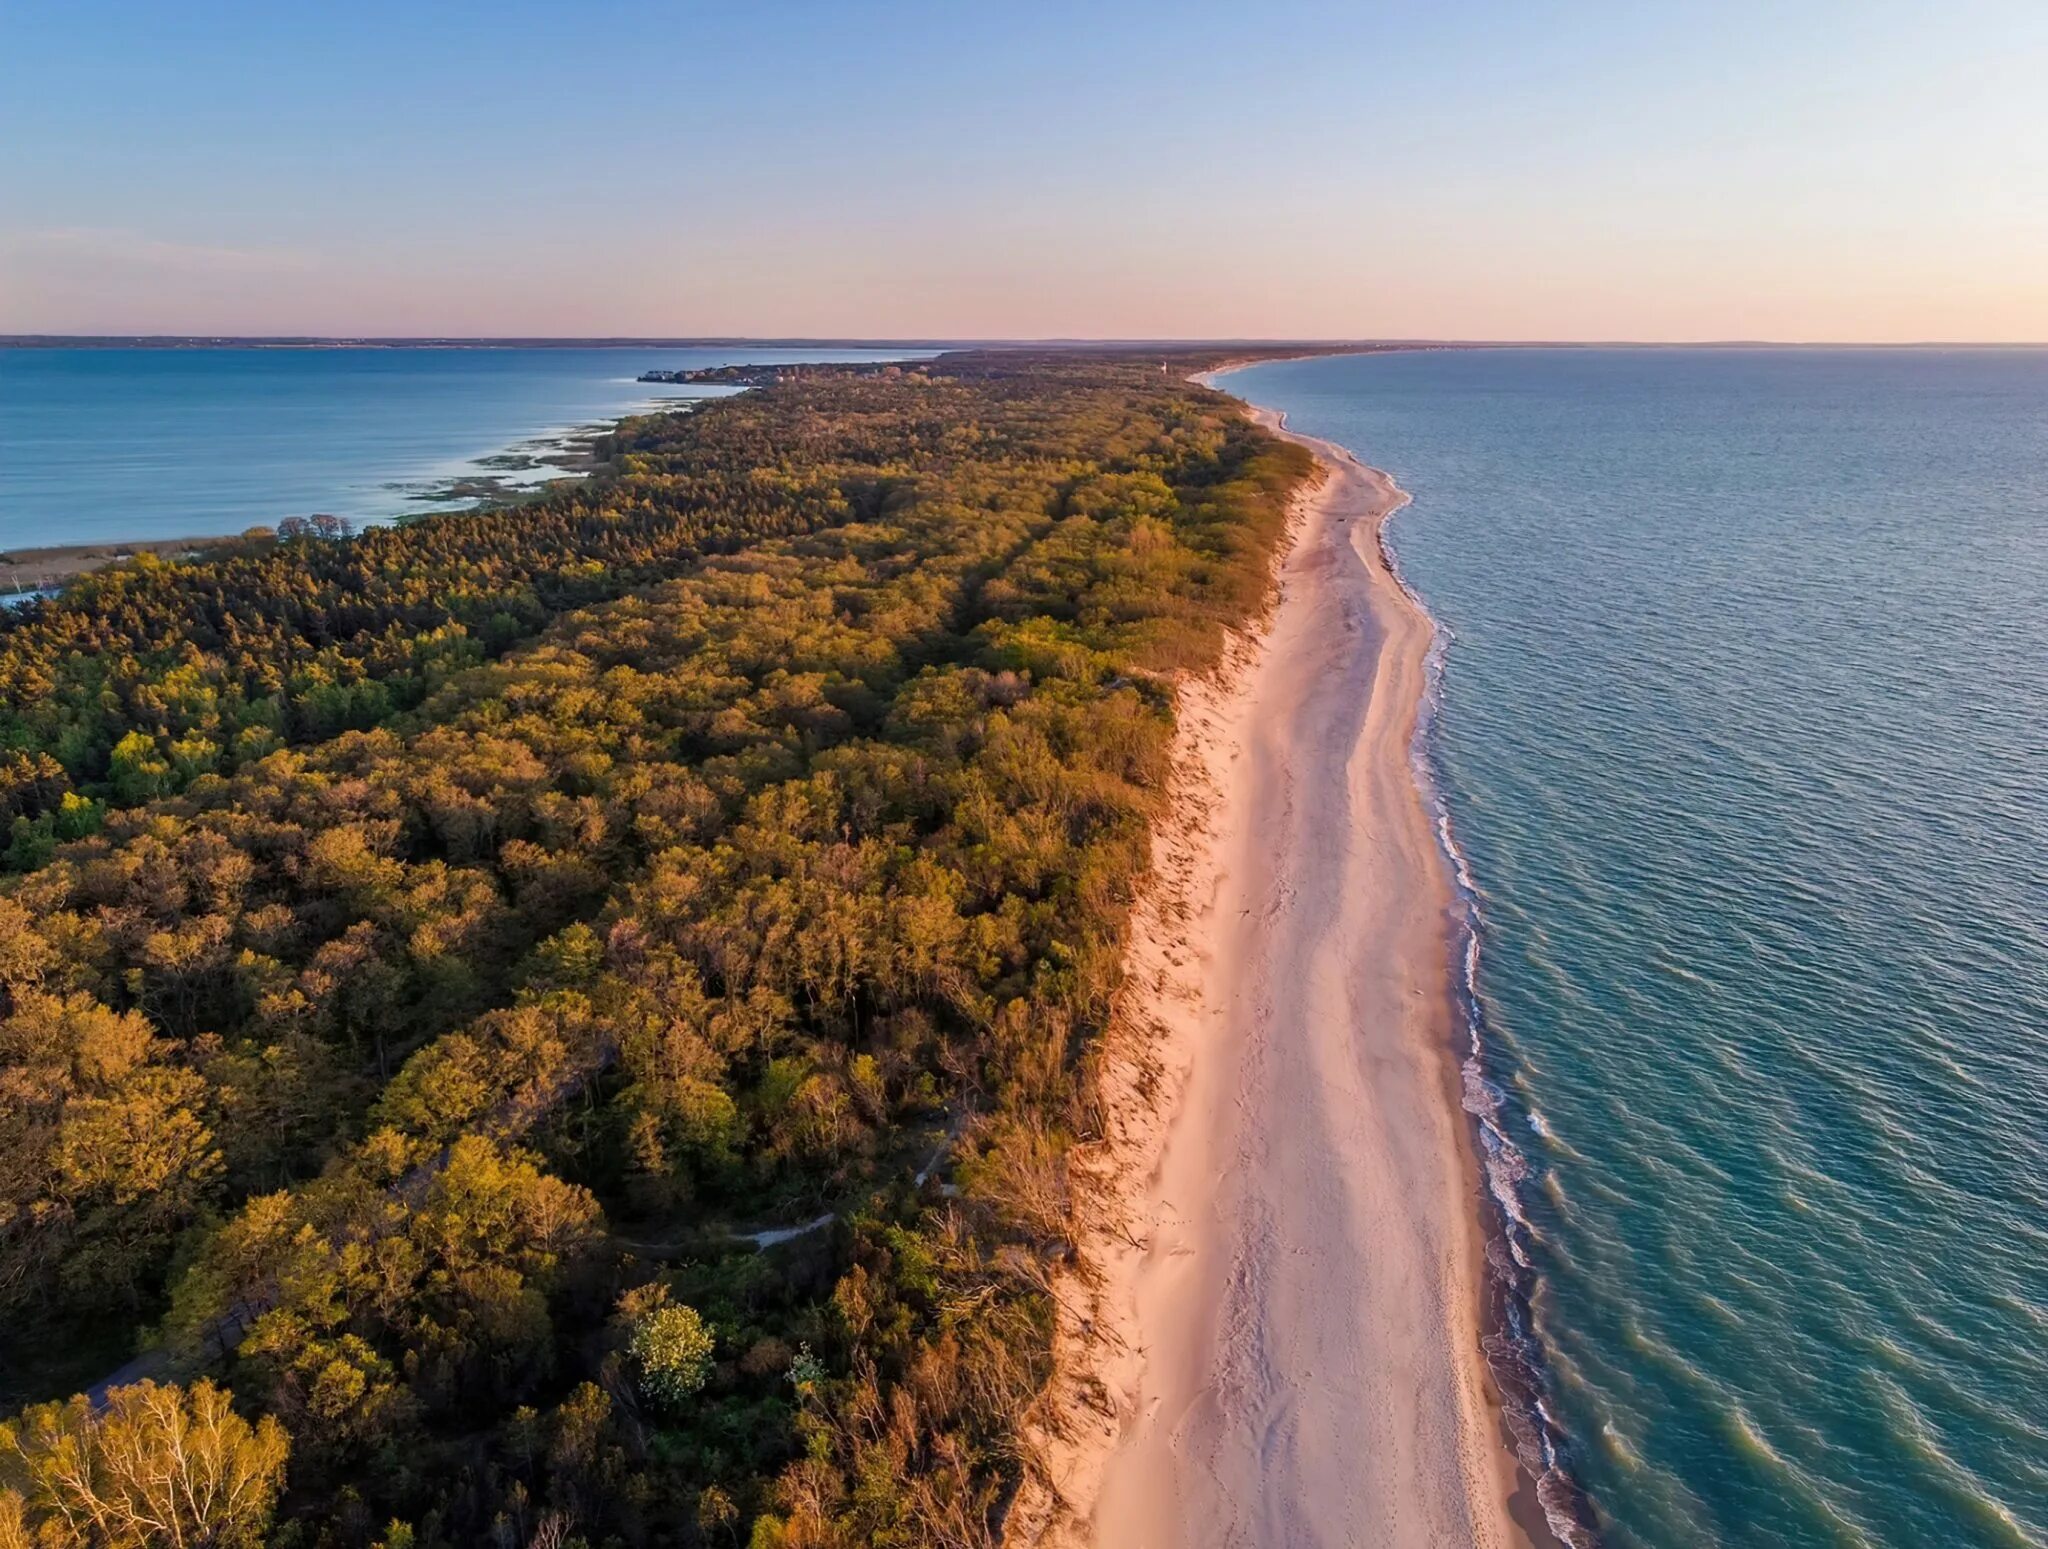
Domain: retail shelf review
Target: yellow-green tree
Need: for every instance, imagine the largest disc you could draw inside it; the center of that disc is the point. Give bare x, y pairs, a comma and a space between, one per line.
159, 1465
672, 1348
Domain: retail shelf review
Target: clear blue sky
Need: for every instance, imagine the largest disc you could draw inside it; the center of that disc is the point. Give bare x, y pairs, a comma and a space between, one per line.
1789, 170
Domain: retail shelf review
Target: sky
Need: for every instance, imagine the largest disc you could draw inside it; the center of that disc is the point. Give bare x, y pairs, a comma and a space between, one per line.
1467, 169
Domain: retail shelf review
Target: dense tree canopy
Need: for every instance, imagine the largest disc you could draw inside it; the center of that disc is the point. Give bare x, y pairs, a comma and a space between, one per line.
493, 990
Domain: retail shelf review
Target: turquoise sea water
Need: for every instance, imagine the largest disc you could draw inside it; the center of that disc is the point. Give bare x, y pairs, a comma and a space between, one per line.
1743, 732
104, 445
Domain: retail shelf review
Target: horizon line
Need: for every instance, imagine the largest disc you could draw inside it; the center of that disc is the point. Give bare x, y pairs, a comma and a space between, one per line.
930, 342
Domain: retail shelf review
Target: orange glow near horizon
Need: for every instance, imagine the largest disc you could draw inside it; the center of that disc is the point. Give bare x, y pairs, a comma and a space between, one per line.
1861, 172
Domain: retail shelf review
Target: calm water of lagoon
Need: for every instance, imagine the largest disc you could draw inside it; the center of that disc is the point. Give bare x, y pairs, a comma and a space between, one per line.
105, 445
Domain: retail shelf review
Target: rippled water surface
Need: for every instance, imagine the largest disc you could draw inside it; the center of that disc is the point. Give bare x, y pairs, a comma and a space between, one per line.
101, 445
1744, 732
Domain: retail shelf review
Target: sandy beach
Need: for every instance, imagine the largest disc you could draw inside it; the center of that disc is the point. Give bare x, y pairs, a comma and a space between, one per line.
1277, 1337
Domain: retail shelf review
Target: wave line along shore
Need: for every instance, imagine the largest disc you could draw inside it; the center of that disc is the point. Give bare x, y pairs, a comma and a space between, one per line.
1275, 1338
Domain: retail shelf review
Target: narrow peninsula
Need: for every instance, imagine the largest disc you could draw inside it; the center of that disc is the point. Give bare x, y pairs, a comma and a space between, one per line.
654, 1015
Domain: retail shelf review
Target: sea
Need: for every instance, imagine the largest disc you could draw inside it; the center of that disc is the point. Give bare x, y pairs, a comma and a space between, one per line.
1740, 736
120, 445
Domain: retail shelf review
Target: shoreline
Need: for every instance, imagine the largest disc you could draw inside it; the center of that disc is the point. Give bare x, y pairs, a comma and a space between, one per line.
1556, 1505
29, 566
468, 486
1260, 1346
520, 469
1548, 1503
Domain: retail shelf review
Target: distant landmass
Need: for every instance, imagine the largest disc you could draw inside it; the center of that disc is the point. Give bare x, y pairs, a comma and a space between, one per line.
31, 341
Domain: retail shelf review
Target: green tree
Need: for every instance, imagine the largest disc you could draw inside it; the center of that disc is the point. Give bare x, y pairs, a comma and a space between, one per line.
135, 769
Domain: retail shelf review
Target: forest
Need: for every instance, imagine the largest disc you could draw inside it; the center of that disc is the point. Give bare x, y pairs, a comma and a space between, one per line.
566, 1025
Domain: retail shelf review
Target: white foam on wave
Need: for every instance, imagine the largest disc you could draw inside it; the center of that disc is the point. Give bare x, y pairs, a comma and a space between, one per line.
1505, 1167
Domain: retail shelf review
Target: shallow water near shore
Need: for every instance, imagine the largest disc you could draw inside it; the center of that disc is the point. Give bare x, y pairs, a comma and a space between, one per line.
128, 444
1741, 733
